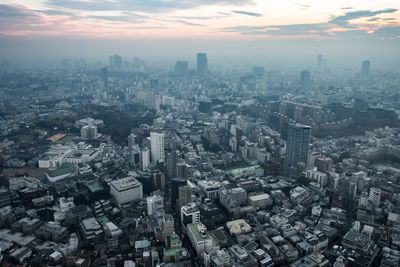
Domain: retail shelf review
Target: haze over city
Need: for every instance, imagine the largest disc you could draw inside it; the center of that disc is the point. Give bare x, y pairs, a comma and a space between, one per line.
233, 32
203, 133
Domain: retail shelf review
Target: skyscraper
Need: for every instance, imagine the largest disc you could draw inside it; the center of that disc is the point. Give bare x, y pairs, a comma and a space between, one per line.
185, 195
157, 147
298, 143
181, 67
115, 61
104, 76
365, 68
171, 161
202, 63
305, 78
320, 61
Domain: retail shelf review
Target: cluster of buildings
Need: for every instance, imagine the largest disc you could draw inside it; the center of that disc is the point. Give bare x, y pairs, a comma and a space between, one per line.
216, 171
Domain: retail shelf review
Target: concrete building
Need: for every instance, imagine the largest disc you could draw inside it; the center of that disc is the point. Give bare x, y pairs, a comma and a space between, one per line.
126, 190
189, 214
157, 147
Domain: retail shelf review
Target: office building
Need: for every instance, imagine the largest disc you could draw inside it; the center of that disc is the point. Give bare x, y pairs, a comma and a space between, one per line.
154, 204
365, 68
104, 76
200, 238
126, 190
145, 158
189, 214
157, 147
202, 63
115, 61
305, 78
375, 196
171, 160
181, 67
185, 195
298, 143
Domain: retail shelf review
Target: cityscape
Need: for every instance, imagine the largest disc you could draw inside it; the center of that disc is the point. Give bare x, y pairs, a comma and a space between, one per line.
224, 153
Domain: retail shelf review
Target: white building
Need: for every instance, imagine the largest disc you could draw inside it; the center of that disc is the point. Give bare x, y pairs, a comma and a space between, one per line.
200, 238
126, 190
190, 214
375, 196
157, 147
319, 177
154, 204
260, 200
145, 157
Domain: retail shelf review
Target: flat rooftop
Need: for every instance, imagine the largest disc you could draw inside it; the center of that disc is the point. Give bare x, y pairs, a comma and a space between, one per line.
126, 183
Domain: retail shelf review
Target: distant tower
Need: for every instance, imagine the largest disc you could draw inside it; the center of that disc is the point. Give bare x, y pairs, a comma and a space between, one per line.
298, 143
320, 61
202, 63
157, 147
365, 68
104, 76
181, 67
305, 78
115, 61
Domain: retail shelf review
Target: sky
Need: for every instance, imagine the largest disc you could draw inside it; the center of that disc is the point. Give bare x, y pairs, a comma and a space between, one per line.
228, 30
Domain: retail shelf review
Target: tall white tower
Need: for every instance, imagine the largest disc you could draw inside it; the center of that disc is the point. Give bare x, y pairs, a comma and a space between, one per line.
375, 196
157, 147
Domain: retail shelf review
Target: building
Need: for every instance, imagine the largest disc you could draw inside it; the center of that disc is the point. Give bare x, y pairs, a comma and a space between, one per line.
365, 68
89, 131
154, 204
126, 190
157, 147
238, 227
305, 78
145, 158
202, 63
115, 61
200, 238
260, 201
189, 214
131, 141
181, 67
375, 196
298, 143
234, 197
92, 231
185, 195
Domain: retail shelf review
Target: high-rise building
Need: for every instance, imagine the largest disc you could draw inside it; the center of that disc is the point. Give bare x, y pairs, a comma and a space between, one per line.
157, 147
104, 76
202, 63
181, 67
131, 141
171, 160
115, 61
305, 78
185, 195
320, 61
298, 143
155, 204
89, 131
365, 68
159, 179
145, 158
375, 196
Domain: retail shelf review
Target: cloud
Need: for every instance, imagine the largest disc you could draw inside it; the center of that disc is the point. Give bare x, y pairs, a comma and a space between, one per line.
185, 22
139, 5
293, 30
343, 21
247, 13
303, 6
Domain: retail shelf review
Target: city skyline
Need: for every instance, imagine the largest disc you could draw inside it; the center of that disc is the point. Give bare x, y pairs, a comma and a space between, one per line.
233, 30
